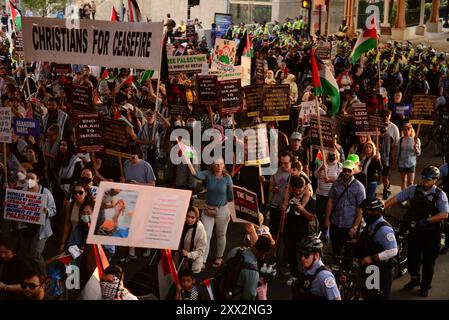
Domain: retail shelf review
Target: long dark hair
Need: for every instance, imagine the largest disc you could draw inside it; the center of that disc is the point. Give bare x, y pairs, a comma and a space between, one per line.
64, 161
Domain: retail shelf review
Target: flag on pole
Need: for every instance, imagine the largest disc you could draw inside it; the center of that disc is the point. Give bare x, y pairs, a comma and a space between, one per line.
105, 74
209, 288
16, 16
134, 14
114, 15
148, 74
367, 39
248, 50
325, 83
167, 276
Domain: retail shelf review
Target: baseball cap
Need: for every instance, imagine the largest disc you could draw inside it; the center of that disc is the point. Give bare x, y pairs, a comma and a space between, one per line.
296, 136
348, 164
354, 158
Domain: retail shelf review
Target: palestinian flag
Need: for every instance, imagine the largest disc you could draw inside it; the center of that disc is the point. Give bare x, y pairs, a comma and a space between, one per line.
130, 80
248, 50
105, 75
95, 262
114, 15
167, 276
366, 41
134, 14
148, 74
210, 290
325, 82
16, 16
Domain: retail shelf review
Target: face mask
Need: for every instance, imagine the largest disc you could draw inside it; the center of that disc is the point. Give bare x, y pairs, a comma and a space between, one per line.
21, 176
85, 218
331, 157
109, 290
86, 180
32, 183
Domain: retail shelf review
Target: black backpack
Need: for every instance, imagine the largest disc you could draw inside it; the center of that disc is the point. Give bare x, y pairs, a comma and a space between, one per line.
225, 280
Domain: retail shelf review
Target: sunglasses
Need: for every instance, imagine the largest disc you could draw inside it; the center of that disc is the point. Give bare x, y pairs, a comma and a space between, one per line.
347, 170
31, 285
78, 193
305, 255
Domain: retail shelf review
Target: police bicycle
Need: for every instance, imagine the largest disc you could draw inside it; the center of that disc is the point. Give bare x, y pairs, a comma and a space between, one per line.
439, 133
401, 229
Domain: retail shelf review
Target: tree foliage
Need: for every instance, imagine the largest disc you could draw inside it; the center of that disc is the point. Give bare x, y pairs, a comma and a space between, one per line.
44, 7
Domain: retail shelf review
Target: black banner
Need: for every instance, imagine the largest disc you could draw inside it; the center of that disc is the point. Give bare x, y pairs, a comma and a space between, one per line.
253, 99
88, 132
230, 96
276, 102
207, 90
116, 138
177, 99
326, 131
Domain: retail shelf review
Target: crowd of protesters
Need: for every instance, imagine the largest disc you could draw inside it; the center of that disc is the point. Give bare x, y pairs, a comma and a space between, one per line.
307, 186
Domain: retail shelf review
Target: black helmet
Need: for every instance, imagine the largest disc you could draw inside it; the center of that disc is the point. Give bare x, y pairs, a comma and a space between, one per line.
310, 244
430, 173
374, 204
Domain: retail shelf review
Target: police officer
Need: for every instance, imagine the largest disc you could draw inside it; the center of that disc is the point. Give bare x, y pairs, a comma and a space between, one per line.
444, 177
376, 246
342, 29
428, 209
317, 282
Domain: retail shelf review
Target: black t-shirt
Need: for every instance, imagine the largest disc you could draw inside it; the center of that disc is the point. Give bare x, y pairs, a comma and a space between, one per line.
272, 63
300, 154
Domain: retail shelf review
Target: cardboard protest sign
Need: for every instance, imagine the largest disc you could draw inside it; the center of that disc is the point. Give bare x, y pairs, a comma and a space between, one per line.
402, 110
190, 30
177, 99
259, 76
256, 141
245, 207
27, 127
100, 43
326, 132
25, 206
186, 64
308, 108
116, 138
361, 119
88, 132
253, 99
375, 122
207, 90
18, 43
5, 125
423, 111
324, 50
276, 102
230, 92
246, 70
80, 98
139, 216
223, 57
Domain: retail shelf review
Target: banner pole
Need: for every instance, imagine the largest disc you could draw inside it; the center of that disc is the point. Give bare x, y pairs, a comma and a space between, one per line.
5, 163
262, 195
164, 43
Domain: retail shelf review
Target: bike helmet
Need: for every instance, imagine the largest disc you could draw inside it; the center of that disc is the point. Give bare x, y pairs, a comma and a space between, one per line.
310, 244
372, 204
430, 173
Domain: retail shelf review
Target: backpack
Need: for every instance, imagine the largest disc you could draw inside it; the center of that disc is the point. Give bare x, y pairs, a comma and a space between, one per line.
225, 280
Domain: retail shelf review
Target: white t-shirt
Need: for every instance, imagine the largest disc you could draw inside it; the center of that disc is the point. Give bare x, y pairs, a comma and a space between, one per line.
333, 171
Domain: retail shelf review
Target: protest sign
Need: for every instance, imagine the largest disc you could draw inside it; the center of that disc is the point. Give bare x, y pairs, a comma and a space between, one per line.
18, 43
101, 43
307, 108
256, 141
333, 49
375, 122
253, 99
88, 132
402, 110
207, 90
177, 99
246, 70
259, 76
326, 132
25, 206
245, 207
27, 127
80, 98
233, 73
186, 64
276, 102
190, 30
139, 216
423, 111
361, 119
324, 50
230, 92
62, 68
223, 21
5, 125
223, 57
116, 138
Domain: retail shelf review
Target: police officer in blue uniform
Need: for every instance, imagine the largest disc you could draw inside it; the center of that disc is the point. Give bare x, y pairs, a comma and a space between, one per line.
444, 177
376, 246
428, 209
316, 282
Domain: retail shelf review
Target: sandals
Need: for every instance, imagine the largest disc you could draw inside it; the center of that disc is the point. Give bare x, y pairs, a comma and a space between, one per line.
218, 263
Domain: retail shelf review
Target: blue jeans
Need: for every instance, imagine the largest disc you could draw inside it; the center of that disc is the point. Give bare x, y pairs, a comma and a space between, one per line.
371, 190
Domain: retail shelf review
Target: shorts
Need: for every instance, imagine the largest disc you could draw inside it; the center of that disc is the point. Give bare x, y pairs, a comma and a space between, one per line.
407, 170
386, 171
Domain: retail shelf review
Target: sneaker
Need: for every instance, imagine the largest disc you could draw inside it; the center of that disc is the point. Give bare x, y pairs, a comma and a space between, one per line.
291, 280
424, 292
414, 282
128, 259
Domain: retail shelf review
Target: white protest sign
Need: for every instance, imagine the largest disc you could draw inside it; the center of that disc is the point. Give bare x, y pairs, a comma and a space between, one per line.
5, 125
223, 56
139, 216
192, 63
25, 206
246, 71
101, 43
233, 74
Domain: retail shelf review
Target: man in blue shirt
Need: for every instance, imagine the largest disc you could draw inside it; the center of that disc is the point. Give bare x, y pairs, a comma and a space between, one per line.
138, 171
444, 177
343, 212
428, 209
317, 283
